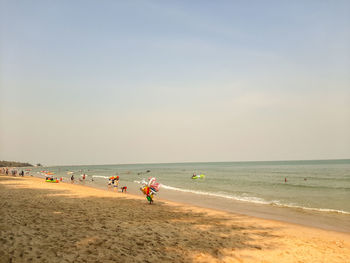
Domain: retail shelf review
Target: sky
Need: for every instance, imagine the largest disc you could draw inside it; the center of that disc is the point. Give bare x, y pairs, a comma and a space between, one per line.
109, 82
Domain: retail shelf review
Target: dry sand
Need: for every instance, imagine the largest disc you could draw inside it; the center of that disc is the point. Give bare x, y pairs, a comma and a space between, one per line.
46, 222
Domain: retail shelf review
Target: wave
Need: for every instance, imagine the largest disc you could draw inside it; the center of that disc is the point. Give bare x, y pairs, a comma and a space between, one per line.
100, 176
255, 200
312, 208
312, 186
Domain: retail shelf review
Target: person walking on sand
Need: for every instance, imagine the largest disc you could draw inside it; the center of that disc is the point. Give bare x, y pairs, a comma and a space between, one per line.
72, 179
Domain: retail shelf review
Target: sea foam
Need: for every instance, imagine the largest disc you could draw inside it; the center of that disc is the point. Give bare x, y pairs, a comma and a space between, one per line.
253, 199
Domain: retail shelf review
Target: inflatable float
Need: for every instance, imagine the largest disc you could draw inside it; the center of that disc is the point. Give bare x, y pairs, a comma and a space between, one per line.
51, 180
198, 176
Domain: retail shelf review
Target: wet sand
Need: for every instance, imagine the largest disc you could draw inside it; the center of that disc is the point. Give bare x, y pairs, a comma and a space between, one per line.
333, 221
46, 222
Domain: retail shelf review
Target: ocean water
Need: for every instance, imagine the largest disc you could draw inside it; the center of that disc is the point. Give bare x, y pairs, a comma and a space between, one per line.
321, 185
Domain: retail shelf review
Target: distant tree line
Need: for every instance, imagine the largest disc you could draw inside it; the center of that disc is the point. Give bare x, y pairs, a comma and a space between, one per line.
13, 164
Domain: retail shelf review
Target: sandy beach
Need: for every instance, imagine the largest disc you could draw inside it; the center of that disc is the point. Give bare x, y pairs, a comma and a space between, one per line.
46, 222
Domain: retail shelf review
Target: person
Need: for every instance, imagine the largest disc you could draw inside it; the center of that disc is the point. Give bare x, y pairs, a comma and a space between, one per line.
72, 179
194, 175
285, 179
116, 183
109, 183
83, 176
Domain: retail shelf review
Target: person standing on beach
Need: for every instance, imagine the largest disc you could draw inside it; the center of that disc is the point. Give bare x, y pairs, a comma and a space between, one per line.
72, 179
116, 183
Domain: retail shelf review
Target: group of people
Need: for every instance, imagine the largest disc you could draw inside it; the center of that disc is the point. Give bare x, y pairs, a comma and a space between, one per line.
149, 188
12, 171
113, 182
80, 179
5, 170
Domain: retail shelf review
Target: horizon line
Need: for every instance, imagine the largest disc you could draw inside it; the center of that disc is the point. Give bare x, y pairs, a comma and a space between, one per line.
188, 162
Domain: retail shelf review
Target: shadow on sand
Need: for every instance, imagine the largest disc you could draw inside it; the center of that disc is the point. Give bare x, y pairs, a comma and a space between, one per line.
41, 225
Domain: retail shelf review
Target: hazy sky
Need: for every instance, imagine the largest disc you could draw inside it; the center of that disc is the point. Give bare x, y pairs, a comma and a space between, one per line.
95, 82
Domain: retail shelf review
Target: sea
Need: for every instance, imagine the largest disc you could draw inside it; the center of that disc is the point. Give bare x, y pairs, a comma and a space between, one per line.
314, 192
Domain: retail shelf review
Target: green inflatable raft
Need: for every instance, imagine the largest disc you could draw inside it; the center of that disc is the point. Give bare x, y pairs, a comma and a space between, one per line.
199, 176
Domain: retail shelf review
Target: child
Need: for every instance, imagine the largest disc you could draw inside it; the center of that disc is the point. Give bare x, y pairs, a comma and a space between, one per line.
116, 183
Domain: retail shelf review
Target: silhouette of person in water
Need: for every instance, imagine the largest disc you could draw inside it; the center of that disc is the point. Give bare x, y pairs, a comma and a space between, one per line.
285, 179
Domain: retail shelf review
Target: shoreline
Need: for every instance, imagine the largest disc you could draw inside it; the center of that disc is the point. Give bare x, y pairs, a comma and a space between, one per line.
337, 222
79, 223
309, 218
